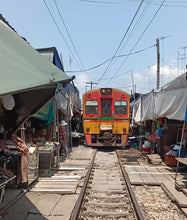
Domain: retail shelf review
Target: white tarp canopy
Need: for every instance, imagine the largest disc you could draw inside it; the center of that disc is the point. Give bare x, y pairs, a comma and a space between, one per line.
169, 102
22, 67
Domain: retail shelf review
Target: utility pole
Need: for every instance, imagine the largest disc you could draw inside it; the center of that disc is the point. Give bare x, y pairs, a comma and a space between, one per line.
86, 88
184, 57
158, 59
91, 84
70, 62
158, 64
133, 85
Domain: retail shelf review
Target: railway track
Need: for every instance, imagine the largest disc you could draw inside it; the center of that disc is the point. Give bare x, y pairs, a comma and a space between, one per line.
106, 193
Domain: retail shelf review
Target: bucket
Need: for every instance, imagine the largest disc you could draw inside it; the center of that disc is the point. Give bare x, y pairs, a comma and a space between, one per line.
170, 160
146, 149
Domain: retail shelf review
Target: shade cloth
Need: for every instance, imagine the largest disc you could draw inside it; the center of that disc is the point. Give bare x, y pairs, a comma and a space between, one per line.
169, 102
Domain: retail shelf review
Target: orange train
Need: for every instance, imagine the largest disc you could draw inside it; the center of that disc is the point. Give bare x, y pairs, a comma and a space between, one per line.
106, 117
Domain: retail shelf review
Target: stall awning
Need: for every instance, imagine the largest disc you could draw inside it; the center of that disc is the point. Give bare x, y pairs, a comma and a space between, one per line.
27, 75
169, 102
22, 67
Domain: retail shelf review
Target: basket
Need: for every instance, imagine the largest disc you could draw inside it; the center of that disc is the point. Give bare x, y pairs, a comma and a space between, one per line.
146, 149
170, 160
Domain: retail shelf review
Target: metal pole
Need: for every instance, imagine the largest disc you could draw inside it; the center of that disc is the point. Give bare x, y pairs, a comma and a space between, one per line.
180, 150
133, 85
158, 64
91, 84
140, 144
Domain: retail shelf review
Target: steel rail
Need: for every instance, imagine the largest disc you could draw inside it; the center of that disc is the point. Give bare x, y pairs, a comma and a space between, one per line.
138, 211
78, 205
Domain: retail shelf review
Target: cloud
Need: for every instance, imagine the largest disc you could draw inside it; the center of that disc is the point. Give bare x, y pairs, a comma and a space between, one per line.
80, 82
143, 82
166, 71
146, 81
138, 77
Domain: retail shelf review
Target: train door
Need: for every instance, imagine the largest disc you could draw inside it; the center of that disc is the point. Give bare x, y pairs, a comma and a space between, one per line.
106, 107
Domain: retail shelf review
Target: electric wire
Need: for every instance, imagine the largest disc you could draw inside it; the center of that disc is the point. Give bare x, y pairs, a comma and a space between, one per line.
133, 29
100, 2
135, 26
124, 55
60, 32
167, 4
57, 7
138, 9
121, 74
138, 40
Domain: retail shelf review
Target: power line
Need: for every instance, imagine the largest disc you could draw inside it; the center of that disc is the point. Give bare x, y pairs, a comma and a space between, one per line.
123, 38
122, 74
68, 33
100, 2
124, 55
136, 25
139, 38
60, 32
167, 3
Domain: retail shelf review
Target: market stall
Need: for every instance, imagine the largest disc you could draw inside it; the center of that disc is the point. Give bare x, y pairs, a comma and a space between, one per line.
28, 82
9, 167
182, 157
165, 109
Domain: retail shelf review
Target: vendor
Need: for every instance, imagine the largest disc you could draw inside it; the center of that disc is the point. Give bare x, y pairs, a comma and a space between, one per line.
62, 138
159, 140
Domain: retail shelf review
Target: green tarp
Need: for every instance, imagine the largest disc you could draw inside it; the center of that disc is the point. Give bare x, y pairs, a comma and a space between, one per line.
26, 74
21, 67
46, 113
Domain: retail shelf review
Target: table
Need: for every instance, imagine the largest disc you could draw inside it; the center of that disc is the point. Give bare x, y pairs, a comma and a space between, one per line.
182, 160
48, 158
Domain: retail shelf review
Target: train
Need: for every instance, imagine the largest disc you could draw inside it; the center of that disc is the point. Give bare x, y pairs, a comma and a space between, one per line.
106, 117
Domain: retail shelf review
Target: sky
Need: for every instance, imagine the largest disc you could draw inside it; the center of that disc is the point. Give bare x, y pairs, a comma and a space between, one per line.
109, 42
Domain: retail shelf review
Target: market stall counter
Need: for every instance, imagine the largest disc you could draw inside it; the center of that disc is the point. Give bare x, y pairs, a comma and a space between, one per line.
48, 157
9, 167
3, 182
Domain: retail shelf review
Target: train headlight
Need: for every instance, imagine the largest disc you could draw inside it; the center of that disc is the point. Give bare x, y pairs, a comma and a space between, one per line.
124, 130
106, 91
87, 129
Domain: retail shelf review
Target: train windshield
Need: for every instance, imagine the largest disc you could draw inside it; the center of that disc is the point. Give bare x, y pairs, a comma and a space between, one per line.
120, 107
106, 106
91, 107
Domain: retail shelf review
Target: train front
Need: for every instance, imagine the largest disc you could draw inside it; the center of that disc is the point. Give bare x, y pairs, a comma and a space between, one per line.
106, 116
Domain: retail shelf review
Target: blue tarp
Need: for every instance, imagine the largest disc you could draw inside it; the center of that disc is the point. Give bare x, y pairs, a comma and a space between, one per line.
57, 62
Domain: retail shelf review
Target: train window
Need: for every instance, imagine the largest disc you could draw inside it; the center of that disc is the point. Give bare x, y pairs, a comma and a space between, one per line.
106, 107
120, 107
91, 107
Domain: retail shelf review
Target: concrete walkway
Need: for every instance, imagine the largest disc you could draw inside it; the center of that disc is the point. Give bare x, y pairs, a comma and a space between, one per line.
53, 204
47, 199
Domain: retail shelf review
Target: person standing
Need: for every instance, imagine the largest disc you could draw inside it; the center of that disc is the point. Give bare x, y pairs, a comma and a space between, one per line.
159, 142
63, 139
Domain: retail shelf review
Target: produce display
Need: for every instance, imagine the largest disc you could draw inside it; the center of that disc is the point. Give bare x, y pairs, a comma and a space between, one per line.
20, 144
